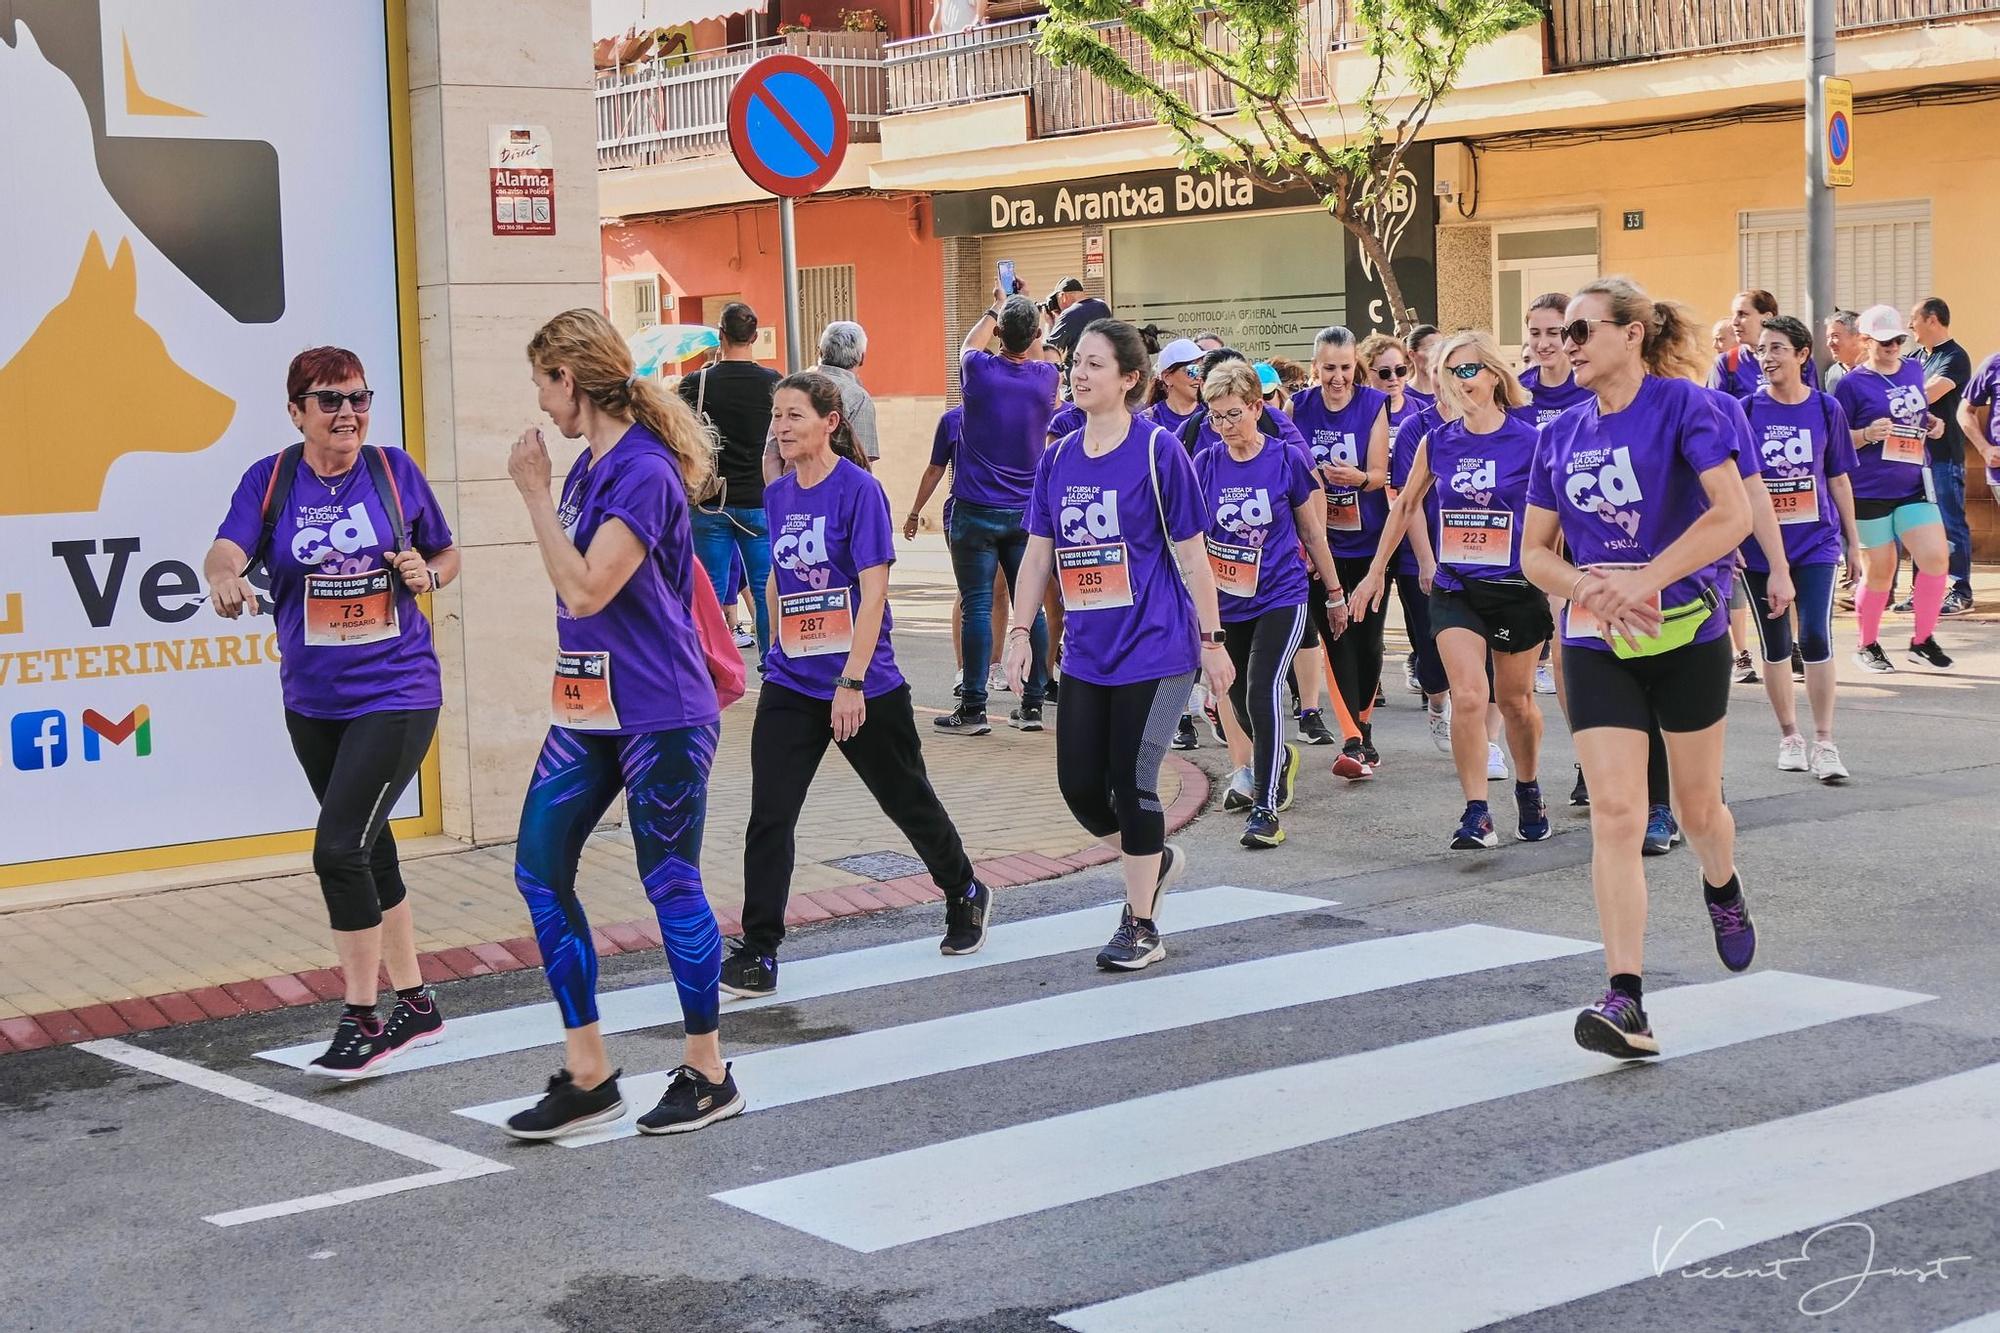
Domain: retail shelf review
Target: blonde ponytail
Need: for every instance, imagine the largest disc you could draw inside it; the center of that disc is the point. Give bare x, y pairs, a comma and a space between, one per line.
1672, 345
601, 365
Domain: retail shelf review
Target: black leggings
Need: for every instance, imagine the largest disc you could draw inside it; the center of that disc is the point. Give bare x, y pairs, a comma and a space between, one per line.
1417, 620
1262, 651
1355, 658
358, 768
1110, 742
787, 741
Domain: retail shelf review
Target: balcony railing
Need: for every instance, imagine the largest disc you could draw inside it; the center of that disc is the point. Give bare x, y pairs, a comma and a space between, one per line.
1589, 33
672, 109
1000, 60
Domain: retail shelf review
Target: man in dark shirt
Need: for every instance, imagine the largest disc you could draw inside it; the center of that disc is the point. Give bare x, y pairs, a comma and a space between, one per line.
1947, 369
1076, 313
735, 395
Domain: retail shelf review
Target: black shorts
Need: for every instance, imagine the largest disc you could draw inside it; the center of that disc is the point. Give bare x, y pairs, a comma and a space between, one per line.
1512, 617
1684, 690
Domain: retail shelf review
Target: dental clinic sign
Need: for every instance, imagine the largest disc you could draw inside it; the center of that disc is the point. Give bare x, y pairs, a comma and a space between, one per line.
1152, 196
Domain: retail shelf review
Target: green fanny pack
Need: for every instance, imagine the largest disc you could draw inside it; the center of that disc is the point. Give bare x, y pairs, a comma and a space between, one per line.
1678, 627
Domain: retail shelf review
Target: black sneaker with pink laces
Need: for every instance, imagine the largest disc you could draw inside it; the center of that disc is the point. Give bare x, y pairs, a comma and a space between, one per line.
415, 1021
357, 1050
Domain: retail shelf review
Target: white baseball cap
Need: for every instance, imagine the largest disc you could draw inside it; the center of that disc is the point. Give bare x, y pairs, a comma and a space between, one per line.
1883, 323
1179, 352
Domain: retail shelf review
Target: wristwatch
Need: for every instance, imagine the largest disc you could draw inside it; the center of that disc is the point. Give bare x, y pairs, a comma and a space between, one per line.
1214, 636
846, 683
436, 583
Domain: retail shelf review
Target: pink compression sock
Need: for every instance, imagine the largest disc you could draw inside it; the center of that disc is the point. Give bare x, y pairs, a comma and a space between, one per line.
1869, 604
1926, 597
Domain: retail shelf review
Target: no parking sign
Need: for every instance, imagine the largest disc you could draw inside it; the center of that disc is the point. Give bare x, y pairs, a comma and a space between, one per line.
787, 125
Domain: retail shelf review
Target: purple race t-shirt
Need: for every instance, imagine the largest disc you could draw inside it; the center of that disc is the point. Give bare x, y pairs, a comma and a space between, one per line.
1626, 485
822, 537
1867, 396
1105, 522
1069, 418
659, 678
944, 452
1799, 446
1748, 376
1545, 404
1402, 452
344, 529
1481, 499
1420, 398
1354, 517
1983, 390
1162, 414
1008, 405
1251, 525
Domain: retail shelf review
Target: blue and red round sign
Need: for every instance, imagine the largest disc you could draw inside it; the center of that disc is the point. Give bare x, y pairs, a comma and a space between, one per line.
1839, 138
787, 125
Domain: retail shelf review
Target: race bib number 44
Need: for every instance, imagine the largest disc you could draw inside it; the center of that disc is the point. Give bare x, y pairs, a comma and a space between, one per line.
1483, 537
1235, 567
1796, 499
816, 624
344, 610
1094, 578
580, 698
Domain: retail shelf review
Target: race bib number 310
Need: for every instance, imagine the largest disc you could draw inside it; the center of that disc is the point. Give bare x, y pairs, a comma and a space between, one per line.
1235, 567
1094, 578
343, 610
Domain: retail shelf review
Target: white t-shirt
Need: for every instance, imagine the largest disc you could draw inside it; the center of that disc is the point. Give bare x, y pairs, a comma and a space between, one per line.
954, 15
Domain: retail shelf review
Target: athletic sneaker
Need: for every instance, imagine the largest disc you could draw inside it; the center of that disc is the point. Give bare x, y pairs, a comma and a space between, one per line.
1288, 775
1870, 657
1214, 720
1352, 764
357, 1050
1028, 717
1368, 751
996, 680
958, 684
1533, 810
566, 1108
1745, 669
744, 638
1440, 725
1735, 933
409, 1025
1798, 665
1826, 765
1496, 762
1905, 607
1134, 945
1312, 728
1662, 831
1956, 603
1792, 754
1242, 791
1579, 795
1929, 654
1410, 681
1173, 863
1049, 691
691, 1102
1184, 738
1617, 1027
965, 918
1545, 678
1297, 712
1475, 829
963, 721
1262, 830
749, 974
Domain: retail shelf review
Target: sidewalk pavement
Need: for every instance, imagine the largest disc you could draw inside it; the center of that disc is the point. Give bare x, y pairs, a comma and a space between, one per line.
78, 970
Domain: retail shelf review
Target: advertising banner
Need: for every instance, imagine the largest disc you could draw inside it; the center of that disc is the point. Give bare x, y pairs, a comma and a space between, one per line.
198, 190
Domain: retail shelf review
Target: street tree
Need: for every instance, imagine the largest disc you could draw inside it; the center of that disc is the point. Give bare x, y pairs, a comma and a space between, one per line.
1258, 69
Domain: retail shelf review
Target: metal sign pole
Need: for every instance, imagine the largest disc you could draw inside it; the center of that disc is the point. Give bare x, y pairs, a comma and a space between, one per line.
1819, 195
789, 257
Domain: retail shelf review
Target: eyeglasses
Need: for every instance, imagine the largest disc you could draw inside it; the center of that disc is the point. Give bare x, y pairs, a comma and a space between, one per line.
1577, 331
329, 400
1392, 372
1229, 418
1469, 371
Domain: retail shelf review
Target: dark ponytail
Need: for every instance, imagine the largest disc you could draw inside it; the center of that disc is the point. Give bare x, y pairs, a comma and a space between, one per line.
824, 395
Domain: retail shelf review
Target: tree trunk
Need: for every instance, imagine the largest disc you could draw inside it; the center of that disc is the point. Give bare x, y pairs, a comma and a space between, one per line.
1402, 319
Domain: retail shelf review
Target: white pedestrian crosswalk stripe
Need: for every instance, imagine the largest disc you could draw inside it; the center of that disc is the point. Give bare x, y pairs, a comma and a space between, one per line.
955, 1185
526, 1027
1105, 1012
1519, 1250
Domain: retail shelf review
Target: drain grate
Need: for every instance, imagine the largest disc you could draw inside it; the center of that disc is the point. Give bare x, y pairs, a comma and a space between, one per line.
881, 866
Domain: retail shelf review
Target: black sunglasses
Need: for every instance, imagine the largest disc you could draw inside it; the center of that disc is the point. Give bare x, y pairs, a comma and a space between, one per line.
1392, 372
329, 400
1577, 331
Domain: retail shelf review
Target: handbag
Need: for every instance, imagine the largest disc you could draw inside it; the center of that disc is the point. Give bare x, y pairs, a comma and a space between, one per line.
718, 646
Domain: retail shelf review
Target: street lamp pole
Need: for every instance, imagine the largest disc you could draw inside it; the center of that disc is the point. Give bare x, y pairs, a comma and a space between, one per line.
1819, 195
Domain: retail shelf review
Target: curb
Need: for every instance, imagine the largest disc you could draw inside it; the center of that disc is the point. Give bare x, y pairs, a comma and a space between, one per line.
118, 1018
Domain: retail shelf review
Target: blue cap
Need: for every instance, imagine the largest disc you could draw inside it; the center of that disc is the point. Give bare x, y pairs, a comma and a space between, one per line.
1267, 378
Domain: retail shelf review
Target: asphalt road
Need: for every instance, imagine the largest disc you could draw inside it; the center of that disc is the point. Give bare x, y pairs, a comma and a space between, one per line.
1348, 1100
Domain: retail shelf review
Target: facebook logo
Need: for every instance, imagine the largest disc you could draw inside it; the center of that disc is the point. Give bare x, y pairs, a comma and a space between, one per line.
41, 740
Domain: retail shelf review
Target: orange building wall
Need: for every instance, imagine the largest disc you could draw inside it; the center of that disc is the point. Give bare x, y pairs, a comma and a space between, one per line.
898, 275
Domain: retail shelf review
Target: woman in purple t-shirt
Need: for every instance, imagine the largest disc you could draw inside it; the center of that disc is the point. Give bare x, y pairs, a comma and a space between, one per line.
358, 671
632, 709
831, 675
1634, 499
1117, 518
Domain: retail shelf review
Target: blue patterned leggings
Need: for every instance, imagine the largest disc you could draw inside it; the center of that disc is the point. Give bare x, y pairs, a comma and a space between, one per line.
664, 775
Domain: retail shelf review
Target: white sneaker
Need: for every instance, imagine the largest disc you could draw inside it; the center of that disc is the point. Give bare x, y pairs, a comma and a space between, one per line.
1545, 679
1826, 765
1792, 754
1242, 793
744, 638
1410, 681
1496, 762
1441, 731
996, 680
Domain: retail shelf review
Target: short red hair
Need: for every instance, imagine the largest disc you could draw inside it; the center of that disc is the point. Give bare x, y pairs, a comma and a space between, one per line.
321, 365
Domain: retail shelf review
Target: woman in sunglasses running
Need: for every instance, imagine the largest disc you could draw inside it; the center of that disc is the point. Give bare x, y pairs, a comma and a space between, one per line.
1640, 487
